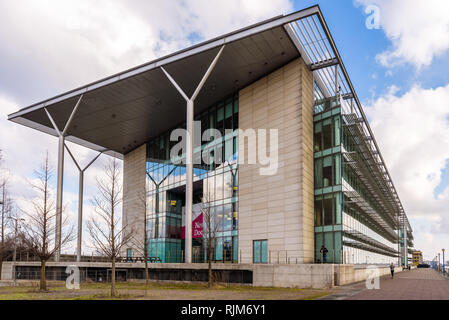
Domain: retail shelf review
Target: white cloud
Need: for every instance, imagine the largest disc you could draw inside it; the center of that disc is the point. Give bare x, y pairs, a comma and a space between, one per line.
418, 30
412, 131
51, 46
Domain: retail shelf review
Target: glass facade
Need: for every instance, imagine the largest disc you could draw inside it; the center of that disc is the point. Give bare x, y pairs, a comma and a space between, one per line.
215, 187
345, 230
351, 224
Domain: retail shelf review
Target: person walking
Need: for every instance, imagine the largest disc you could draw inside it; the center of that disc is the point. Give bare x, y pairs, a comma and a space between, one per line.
323, 252
392, 270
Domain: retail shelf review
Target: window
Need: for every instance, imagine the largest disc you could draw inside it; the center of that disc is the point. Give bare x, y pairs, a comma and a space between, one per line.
219, 218
227, 249
129, 253
317, 144
337, 133
227, 217
337, 208
235, 220
220, 119
318, 173
235, 250
337, 166
318, 212
327, 209
327, 172
260, 251
327, 134
228, 114
219, 249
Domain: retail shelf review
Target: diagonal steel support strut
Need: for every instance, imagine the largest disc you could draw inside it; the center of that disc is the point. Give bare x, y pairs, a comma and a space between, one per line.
61, 137
80, 199
189, 151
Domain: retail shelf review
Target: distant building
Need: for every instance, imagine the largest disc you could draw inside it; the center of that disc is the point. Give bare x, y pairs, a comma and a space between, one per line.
417, 257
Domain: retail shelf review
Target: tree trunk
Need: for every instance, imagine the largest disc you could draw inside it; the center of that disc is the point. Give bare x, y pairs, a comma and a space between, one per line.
147, 276
113, 293
43, 283
1, 266
209, 251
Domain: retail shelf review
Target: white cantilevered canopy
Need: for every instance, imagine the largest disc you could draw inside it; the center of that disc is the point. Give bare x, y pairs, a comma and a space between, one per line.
124, 111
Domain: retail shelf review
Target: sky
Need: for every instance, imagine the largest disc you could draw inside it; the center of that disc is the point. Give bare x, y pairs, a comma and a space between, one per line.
400, 70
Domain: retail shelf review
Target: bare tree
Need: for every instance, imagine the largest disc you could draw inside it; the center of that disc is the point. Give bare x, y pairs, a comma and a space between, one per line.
40, 228
4, 203
210, 230
105, 227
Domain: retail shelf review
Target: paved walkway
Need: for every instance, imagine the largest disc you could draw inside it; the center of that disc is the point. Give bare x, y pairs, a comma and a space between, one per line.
416, 284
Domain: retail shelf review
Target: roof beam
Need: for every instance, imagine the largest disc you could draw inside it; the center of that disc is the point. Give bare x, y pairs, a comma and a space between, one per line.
324, 64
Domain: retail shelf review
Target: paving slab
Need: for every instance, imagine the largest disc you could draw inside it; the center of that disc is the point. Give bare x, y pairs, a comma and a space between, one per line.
416, 284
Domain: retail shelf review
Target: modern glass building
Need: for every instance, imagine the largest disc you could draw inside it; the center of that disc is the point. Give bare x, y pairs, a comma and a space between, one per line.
277, 90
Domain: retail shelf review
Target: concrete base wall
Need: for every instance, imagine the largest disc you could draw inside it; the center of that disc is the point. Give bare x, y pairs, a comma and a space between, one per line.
317, 276
7, 271
294, 276
346, 274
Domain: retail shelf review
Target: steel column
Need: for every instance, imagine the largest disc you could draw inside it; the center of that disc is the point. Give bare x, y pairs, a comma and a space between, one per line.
189, 183
189, 151
80, 216
59, 191
405, 246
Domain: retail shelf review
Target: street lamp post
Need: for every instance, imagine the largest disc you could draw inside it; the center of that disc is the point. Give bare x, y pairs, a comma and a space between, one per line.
15, 237
439, 263
444, 269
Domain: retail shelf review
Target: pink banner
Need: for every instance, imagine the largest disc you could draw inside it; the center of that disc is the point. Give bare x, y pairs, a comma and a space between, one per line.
197, 228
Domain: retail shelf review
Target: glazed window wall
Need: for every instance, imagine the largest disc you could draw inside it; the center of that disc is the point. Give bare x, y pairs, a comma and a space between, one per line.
327, 133
353, 255
331, 244
219, 182
327, 172
221, 198
354, 182
355, 221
